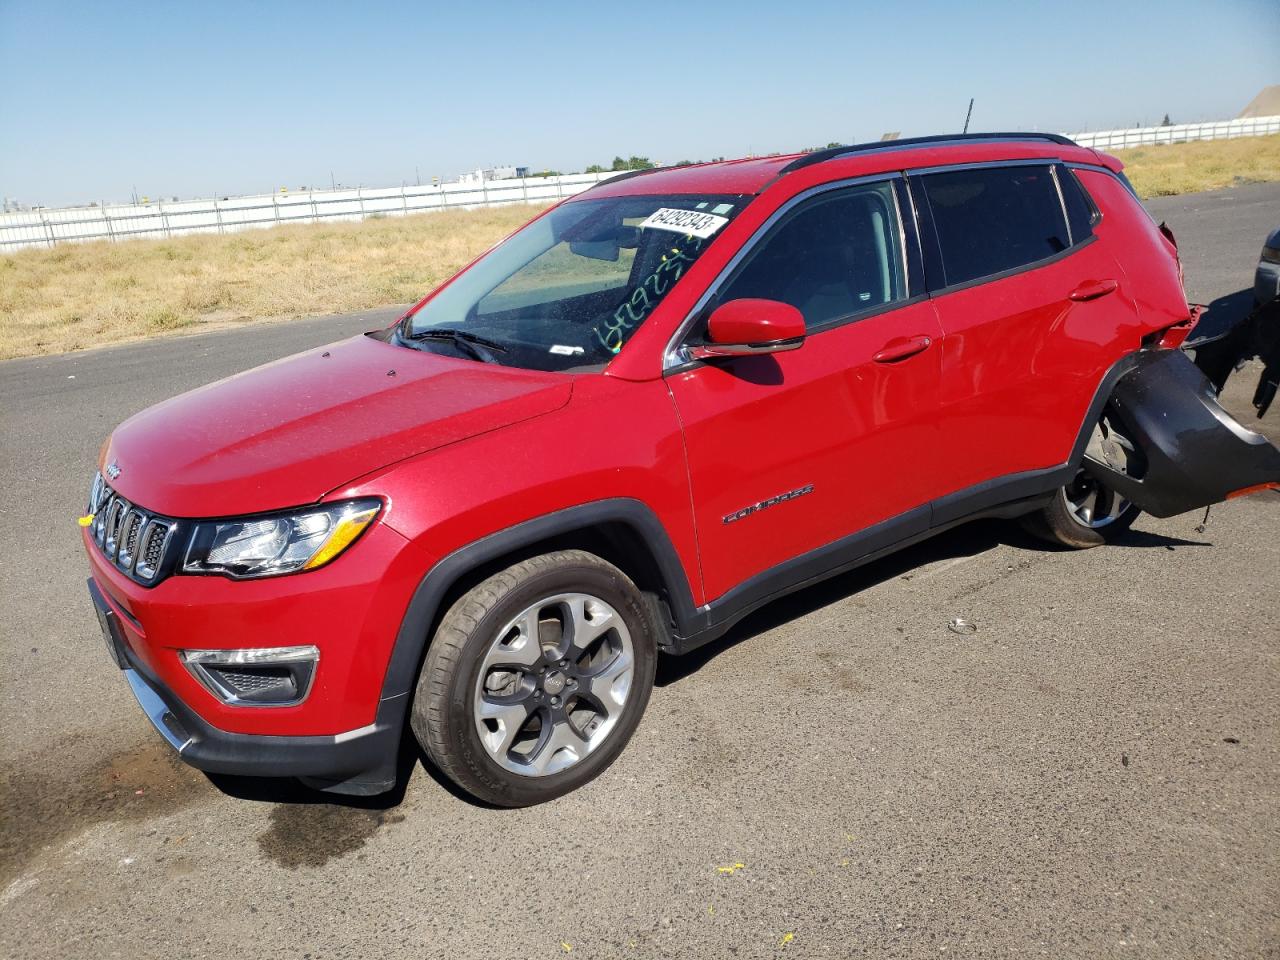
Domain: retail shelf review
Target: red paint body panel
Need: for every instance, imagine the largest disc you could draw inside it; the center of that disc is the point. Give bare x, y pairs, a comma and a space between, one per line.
863, 434
1020, 364
350, 609
879, 416
287, 433
614, 439
1147, 258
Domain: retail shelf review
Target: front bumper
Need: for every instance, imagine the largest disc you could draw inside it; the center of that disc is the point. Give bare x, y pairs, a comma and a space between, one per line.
359, 761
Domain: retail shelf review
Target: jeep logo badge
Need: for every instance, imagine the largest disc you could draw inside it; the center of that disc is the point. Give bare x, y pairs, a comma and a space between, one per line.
113, 470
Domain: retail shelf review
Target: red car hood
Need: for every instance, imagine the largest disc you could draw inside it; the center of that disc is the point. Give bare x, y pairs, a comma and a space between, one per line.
289, 432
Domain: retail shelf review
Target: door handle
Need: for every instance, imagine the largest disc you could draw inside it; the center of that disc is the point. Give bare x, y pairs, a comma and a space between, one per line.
901, 348
1093, 289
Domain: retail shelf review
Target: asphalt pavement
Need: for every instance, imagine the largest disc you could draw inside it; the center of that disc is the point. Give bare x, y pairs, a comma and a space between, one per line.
1095, 772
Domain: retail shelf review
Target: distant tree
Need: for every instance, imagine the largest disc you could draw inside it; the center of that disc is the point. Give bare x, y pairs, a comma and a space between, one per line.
634, 163
684, 163
547, 173
595, 168
1166, 122
834, 144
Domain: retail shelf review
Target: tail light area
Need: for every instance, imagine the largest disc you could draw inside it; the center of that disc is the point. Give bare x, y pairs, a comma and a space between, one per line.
1174, 336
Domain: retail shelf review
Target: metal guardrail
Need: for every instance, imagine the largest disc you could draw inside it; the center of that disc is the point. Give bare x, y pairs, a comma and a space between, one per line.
159, 219
49, 227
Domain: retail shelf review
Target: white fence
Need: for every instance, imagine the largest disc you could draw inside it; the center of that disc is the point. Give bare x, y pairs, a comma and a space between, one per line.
1177, 133
48, 227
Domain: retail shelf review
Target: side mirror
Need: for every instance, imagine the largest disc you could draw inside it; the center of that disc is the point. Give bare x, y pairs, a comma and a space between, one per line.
749, 327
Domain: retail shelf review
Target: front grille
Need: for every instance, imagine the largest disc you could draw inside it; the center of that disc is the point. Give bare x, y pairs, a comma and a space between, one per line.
137, 541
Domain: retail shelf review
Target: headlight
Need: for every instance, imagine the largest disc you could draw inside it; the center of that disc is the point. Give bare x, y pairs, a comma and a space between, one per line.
268, 546
1271, 254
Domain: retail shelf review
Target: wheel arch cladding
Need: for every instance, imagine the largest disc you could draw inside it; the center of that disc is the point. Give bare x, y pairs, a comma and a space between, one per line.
625, 532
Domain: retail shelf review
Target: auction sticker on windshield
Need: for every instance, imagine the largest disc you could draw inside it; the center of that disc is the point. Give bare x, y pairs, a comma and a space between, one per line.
693, 223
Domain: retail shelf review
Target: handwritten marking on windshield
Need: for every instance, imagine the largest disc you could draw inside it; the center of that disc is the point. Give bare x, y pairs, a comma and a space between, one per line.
633, 311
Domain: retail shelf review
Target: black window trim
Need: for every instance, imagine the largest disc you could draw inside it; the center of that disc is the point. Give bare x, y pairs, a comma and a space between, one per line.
1062, 203
1095, 214
674, 360
936, 277
1119, 178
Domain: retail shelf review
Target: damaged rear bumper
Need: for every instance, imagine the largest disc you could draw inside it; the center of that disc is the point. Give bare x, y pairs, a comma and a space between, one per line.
1192, 453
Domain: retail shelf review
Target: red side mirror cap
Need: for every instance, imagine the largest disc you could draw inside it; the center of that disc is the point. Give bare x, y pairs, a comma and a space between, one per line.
748, 327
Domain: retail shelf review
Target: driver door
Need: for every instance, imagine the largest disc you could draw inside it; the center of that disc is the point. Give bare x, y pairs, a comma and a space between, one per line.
793, 451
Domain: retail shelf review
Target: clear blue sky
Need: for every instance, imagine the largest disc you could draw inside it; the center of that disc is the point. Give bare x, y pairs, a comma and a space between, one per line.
191, 98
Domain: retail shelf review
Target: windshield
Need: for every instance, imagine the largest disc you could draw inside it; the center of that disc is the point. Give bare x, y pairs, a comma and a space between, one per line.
567, 291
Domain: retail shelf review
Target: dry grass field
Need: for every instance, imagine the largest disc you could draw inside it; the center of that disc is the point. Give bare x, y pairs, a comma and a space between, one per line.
83, 295
1205, 165
86, 294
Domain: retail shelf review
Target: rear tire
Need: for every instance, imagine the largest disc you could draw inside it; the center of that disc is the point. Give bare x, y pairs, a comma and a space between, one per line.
536, 678
1070, 521
1085, 513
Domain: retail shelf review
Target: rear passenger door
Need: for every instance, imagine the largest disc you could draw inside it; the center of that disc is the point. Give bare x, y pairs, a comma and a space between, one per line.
1029, 312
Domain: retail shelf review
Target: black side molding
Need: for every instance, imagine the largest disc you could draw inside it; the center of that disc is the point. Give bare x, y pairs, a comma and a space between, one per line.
1195, 452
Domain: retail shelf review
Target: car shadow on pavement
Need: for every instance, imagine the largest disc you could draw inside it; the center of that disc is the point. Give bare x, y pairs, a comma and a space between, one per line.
964, 541
967, 540
290, 791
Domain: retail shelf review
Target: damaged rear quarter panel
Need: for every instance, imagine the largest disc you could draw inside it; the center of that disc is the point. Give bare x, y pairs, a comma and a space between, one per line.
1142, 252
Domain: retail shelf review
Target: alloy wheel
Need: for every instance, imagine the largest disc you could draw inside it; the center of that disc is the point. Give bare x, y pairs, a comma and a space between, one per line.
1091, 504
553, 684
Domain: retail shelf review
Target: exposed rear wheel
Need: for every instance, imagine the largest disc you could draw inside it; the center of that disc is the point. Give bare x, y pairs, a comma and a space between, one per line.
1086, 513
536, 678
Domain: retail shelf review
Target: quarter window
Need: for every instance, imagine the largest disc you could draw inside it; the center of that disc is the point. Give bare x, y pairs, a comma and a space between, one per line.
993, 219
834, 256
1081, 213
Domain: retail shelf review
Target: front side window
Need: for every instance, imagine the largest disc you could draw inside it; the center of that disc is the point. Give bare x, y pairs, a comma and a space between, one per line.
832, 257
569, 290
994, 219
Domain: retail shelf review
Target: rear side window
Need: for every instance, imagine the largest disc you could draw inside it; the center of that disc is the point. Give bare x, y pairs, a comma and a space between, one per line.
834, 256
1081, 213
994, 219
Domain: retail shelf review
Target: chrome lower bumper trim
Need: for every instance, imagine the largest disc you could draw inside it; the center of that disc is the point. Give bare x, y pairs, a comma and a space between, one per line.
156, 711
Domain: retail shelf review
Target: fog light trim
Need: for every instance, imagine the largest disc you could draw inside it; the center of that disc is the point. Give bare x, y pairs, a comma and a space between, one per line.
298, 664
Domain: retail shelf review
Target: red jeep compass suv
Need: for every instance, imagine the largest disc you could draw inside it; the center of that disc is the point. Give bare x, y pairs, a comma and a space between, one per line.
656, 407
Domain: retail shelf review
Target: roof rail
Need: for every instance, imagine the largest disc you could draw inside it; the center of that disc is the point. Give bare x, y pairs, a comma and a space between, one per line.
832, 153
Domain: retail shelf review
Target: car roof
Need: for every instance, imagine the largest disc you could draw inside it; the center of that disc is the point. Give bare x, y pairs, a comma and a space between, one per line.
753, 175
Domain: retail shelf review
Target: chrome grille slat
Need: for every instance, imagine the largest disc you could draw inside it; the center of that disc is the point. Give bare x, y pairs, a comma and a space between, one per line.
130, 535
151, 547
133, 539
115, 516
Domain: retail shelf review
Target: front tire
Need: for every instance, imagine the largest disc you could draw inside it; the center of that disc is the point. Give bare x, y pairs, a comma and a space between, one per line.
536, 678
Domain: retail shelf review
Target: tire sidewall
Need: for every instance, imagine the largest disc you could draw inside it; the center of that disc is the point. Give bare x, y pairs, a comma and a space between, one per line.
600, 580
1071, 531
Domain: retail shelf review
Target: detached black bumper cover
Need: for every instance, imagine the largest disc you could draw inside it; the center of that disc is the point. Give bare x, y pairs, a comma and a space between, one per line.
357, 762
1195, 452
